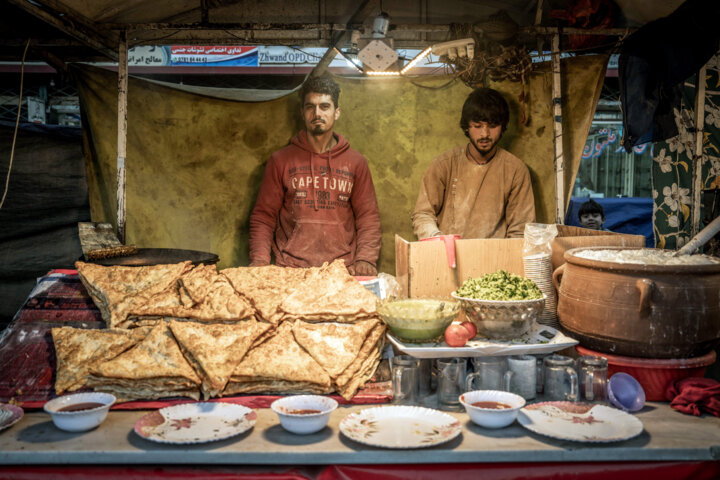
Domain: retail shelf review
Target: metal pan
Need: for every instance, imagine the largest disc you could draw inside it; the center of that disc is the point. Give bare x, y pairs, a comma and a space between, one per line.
159, 256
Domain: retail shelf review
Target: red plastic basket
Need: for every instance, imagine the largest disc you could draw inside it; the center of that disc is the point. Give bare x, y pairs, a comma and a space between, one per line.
655, 374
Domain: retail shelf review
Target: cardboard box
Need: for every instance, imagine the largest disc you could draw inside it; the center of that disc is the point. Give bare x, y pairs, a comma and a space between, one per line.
421, 268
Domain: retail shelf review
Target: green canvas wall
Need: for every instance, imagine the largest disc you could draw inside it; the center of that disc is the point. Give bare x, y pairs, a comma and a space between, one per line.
194, 162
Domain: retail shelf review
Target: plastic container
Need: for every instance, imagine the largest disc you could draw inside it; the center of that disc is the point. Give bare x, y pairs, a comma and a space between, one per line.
625, 392
655, 374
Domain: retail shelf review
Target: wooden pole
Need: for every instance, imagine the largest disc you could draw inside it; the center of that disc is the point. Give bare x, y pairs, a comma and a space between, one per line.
68, 22
698, 154
122, 133
558, 130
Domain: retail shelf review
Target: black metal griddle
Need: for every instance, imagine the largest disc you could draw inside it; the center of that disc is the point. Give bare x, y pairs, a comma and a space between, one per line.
159, 256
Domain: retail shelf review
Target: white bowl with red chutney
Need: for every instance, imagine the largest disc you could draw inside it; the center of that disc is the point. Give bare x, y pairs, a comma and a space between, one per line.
304, 414
79, 412
492, 408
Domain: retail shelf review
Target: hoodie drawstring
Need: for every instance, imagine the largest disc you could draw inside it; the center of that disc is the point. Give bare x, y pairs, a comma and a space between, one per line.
312, 178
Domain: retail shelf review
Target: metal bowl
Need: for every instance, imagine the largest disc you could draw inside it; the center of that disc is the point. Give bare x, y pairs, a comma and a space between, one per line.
502, 319
417, 320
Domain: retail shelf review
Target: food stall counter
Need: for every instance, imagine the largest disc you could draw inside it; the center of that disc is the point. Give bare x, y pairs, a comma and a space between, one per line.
668, 436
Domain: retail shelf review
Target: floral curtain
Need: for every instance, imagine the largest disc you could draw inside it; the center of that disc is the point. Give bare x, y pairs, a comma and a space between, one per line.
672, 166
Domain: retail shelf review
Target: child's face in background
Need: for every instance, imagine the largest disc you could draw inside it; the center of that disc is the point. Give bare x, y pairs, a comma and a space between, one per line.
592, 220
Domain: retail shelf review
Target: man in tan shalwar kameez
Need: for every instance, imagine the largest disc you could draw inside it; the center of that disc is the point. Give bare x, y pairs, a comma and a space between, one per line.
478, 190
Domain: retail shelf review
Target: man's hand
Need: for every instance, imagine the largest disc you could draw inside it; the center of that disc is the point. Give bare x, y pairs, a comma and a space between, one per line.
362, 268
259, 263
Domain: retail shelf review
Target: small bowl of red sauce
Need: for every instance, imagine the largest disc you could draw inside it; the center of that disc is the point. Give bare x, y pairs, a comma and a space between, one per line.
492, 408
79, 412
304, 414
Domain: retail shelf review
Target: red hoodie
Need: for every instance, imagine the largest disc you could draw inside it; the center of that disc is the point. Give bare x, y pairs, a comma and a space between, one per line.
315, 207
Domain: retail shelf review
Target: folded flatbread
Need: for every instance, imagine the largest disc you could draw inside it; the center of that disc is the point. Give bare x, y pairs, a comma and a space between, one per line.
333, 345
279, 359
364, 365
200, 294
214, 350
154, 368
77, 349
266, 286
274, 386
329, 294
116, 290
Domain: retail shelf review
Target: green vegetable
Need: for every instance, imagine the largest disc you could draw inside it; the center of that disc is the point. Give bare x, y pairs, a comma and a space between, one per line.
500, 285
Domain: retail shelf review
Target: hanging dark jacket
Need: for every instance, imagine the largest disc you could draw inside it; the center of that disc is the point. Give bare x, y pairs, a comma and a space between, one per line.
654, 63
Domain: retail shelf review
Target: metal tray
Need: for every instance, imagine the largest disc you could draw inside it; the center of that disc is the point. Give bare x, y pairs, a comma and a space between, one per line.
159, 256
540, 340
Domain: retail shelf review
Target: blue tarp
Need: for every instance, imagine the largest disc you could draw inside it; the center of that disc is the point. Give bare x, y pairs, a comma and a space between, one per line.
631, 215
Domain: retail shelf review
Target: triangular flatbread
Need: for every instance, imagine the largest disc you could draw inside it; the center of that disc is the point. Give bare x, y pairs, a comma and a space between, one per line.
363, 374
116, 289
333, 345
200, 294
281, 358
214, 350
266, 286
155, 366
373, 341
330, 294
77, 349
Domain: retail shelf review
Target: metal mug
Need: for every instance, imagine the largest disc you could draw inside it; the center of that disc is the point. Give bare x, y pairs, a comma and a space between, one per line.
560, 378
592, 378
522, 376
490, 373
450, 382
405, 375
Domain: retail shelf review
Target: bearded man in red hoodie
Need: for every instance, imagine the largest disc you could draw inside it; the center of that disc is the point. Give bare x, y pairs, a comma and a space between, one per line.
317, 200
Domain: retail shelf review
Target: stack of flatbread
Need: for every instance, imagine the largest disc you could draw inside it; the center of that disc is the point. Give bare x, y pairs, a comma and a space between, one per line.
315, 330
135, 296
119, 290
77, 350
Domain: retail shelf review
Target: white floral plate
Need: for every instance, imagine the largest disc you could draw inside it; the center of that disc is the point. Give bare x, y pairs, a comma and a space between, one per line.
400, 427
195, 423
580, 422
9, 415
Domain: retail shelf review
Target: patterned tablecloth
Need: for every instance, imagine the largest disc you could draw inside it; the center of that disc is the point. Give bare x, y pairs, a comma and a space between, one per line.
27, 354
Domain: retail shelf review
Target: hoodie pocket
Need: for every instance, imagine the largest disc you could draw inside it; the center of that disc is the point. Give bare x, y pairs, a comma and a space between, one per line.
317, 241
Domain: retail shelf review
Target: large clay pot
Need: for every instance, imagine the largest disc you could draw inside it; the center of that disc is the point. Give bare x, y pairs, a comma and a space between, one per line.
653, 311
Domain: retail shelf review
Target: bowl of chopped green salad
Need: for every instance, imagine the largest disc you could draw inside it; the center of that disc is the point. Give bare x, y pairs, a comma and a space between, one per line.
502, 305
418, 320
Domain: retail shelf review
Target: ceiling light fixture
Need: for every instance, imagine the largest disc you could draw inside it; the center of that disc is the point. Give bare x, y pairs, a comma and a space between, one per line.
381, 25
415, 60
348, 57
382, 74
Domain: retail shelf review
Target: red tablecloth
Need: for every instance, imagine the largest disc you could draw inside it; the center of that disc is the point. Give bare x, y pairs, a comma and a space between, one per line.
466, 471
27, 354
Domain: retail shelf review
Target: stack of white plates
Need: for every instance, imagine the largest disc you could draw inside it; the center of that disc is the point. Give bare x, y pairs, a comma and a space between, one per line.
538, 268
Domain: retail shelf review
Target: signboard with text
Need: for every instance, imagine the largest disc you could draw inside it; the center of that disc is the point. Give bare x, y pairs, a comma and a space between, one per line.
215, 56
